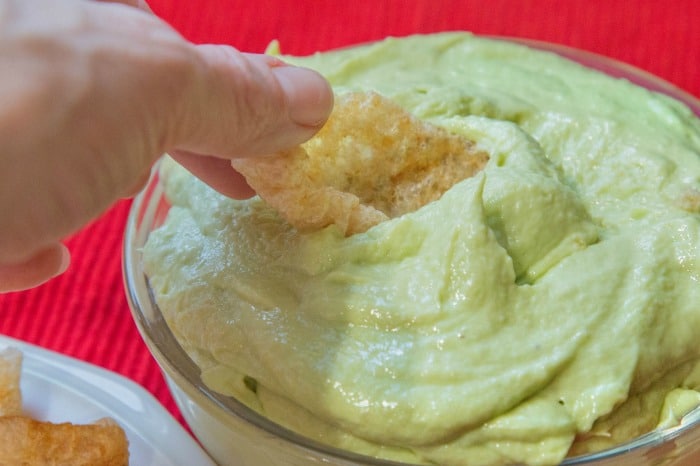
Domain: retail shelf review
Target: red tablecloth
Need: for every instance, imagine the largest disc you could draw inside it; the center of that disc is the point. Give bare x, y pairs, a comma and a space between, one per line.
84, 313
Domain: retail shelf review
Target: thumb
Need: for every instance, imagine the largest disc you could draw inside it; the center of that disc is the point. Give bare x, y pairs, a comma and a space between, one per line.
247, 104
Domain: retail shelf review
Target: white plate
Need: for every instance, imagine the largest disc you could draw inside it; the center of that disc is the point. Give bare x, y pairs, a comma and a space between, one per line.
58, 388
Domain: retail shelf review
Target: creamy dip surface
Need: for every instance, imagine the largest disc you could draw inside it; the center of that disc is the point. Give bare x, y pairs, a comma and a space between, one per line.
548, 306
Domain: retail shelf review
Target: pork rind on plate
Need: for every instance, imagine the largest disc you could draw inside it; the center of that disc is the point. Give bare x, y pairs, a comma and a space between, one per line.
27, 441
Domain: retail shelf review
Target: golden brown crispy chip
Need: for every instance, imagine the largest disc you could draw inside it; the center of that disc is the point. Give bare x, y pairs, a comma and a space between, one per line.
25, 441
10, 370
372, 161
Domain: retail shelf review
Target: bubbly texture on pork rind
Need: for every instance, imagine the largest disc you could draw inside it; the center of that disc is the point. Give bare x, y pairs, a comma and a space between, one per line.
371, 161
548, 305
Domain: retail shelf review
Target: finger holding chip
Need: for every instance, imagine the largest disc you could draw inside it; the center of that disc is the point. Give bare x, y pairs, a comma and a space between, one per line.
372, 161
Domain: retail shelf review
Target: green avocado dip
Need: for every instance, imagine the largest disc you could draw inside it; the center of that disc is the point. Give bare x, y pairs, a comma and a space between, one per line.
548, 306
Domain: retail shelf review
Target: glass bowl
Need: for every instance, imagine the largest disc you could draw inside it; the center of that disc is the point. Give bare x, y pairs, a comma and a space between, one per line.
234, 434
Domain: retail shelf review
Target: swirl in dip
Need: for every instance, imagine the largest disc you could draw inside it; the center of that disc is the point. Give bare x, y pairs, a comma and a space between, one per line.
548, 306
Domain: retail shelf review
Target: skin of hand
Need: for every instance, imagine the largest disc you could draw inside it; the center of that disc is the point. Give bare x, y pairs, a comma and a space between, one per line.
92, 93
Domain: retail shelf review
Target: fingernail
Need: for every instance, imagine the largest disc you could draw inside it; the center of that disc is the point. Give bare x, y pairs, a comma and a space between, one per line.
309, 95
65, 260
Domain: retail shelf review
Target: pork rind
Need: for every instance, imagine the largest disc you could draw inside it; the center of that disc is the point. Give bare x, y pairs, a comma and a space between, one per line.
372, 161
27, 441
10, 370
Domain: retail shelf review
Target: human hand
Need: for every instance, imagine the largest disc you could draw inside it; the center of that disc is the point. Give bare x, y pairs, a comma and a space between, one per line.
93, 92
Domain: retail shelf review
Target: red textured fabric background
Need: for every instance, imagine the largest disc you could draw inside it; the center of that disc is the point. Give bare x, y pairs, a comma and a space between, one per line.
84, 313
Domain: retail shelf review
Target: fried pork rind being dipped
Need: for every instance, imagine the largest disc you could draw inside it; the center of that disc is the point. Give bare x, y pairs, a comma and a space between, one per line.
27, 441
372, 161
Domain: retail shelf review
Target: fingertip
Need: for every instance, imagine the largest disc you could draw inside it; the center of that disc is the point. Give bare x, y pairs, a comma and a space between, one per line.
309, 95
249, 104
36, 270
64, 259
